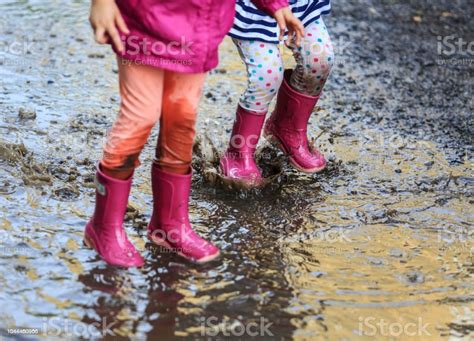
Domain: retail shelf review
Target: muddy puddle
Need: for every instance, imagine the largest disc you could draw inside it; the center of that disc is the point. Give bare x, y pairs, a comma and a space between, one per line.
378, 246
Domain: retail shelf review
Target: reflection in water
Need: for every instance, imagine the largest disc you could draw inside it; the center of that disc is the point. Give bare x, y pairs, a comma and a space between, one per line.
380, 240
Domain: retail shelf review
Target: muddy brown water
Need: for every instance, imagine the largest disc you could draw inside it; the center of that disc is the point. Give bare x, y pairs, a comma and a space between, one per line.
378, 246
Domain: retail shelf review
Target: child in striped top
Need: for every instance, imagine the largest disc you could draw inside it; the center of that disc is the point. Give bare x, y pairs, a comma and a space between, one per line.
256, 36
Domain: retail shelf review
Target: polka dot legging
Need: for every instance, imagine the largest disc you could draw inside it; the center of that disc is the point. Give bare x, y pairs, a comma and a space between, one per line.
314, 60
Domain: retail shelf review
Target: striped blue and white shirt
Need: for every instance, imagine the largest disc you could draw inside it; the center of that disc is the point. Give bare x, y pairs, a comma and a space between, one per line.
250, 23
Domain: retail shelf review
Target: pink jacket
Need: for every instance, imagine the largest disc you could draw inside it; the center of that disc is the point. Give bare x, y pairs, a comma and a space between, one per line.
180, 35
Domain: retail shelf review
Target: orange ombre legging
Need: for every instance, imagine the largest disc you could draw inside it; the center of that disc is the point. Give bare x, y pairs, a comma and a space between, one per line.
150, 95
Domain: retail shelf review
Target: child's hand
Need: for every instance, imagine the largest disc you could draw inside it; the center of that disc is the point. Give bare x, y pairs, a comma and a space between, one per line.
105, 18
286, 20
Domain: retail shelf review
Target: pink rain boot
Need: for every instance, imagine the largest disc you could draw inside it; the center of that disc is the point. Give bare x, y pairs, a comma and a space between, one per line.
169, 225
287, 128
104, 231
238, 163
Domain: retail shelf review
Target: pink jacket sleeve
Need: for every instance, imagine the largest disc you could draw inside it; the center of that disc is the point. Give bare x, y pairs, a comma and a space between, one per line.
270, 6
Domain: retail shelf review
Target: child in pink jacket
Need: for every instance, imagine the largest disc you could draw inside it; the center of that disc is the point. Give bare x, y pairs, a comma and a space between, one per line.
164, 49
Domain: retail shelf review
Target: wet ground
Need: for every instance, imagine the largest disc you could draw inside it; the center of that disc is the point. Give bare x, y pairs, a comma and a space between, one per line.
378, 246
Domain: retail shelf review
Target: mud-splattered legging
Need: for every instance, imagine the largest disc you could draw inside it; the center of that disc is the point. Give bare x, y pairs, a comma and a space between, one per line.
314, 59
149, 95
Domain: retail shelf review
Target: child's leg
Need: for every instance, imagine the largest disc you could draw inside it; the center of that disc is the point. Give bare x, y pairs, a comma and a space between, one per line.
171, 172
314, 60
180, 101
141, 90
297, 97
264, 72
